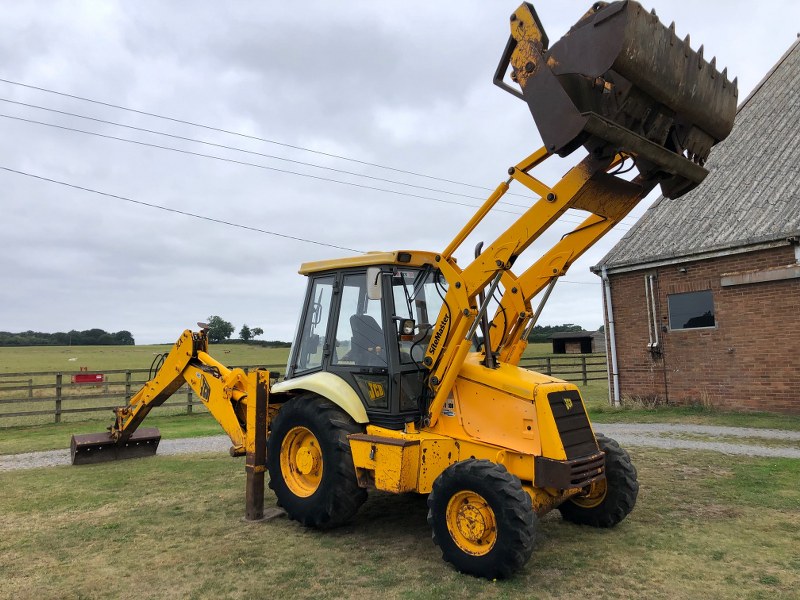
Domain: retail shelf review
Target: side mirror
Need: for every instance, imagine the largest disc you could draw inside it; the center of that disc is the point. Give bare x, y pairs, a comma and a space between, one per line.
374, 291
405, 328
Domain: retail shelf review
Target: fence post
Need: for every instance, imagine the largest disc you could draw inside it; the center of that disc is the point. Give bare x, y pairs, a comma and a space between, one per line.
30, 388
583, 370
548, 367
188, 399
58, 397
127, 387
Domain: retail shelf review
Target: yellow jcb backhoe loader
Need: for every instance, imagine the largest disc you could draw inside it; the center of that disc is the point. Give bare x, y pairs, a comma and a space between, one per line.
400, 380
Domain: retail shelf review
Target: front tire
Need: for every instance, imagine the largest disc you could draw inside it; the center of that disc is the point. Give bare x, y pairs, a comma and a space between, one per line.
610, 500
482, 519
310, 463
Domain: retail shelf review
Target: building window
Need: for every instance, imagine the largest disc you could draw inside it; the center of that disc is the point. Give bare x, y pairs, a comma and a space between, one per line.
691, 310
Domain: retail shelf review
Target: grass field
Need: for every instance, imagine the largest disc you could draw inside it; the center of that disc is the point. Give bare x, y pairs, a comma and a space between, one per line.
31, 394
107, 358
704, 526
23, 434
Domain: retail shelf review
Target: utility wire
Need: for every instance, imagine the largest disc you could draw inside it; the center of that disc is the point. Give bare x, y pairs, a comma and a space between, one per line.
256, 165
240, 162
252, 137
244, 150
262, 154
180, 212
236, 133
204, 217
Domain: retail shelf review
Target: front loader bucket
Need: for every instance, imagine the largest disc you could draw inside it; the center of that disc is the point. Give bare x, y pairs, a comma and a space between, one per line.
93, 448
620, 81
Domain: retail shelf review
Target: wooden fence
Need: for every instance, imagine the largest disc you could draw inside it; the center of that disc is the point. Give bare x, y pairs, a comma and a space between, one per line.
47, 397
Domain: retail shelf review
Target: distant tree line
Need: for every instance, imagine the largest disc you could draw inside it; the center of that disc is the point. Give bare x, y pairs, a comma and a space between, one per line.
220, 330
90, 337
542, 333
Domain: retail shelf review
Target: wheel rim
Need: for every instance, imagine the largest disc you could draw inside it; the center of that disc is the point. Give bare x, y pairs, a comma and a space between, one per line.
301, 461
594, 497
471, 523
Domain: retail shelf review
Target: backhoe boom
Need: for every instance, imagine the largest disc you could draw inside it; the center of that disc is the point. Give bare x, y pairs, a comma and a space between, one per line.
223, 391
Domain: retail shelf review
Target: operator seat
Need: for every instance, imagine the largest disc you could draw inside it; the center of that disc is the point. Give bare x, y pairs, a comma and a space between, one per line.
368, 344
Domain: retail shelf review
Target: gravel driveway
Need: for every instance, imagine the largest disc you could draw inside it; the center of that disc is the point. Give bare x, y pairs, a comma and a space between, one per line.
655, 435
662, 435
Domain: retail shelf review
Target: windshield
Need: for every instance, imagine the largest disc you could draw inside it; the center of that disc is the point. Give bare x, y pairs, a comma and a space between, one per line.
418, 294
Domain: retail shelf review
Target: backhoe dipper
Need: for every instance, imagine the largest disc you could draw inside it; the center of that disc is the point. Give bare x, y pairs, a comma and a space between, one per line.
400, 380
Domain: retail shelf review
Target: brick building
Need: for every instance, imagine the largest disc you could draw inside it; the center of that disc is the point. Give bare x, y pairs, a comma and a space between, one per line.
702, 295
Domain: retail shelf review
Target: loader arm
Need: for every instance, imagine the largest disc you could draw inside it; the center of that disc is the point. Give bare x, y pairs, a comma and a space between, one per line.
624, 87
587, 186
222, 391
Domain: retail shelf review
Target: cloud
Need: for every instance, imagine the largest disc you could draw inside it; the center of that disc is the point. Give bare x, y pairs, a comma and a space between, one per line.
407, 86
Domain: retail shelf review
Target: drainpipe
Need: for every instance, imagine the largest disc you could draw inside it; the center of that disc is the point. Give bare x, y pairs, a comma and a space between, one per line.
612, 340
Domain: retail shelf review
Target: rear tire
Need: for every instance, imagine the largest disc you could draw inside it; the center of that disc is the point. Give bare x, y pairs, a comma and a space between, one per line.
310, 463
610, 500
482, 519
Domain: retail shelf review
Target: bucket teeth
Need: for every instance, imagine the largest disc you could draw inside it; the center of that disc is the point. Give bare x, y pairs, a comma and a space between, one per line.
661, 93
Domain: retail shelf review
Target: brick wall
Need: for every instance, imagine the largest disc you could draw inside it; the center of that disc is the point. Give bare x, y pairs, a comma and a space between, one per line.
748, 361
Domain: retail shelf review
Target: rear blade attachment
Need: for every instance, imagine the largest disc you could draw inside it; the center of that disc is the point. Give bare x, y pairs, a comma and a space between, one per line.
93, 448
621, 82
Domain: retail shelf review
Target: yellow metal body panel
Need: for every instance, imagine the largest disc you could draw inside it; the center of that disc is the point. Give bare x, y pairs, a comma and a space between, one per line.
394, 463
403, 461
368, 259
217, 395
329, 386
496, 417
504, 408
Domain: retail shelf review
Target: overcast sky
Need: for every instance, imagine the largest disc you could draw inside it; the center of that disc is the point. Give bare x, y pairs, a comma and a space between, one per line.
405, 85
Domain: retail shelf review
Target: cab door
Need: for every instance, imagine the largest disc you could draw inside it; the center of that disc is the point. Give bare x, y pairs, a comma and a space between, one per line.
359, 349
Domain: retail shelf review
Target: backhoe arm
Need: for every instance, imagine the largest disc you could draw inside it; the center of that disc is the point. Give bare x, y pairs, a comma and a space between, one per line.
223, 391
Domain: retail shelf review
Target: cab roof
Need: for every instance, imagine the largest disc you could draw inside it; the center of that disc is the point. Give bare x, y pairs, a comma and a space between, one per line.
401, 258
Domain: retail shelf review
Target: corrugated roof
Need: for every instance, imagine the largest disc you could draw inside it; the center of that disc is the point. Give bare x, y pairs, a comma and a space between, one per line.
752, 192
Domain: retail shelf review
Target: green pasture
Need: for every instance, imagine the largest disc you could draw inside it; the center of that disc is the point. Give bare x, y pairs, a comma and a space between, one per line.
33, 432
171, 527
31, 359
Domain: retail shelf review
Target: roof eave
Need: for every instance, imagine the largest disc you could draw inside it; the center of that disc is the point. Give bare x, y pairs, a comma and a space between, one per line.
730, 250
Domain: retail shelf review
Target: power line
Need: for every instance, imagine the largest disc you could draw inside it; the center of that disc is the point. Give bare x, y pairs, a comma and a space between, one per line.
180, 212
206, 218
244, 150
253, 137
241, 162
256, 165
239, 134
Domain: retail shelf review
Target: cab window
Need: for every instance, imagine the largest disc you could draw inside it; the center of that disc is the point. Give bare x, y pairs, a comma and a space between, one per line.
315, 324
419, 295
360, 338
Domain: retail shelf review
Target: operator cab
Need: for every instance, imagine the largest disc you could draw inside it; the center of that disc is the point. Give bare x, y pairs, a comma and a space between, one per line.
371, 326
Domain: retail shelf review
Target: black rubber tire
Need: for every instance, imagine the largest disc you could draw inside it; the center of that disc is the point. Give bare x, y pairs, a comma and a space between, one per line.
622, 487
338, 496
511, 505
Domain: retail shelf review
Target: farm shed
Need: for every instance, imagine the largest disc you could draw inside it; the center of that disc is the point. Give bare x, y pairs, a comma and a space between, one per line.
578, 342
702, 295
